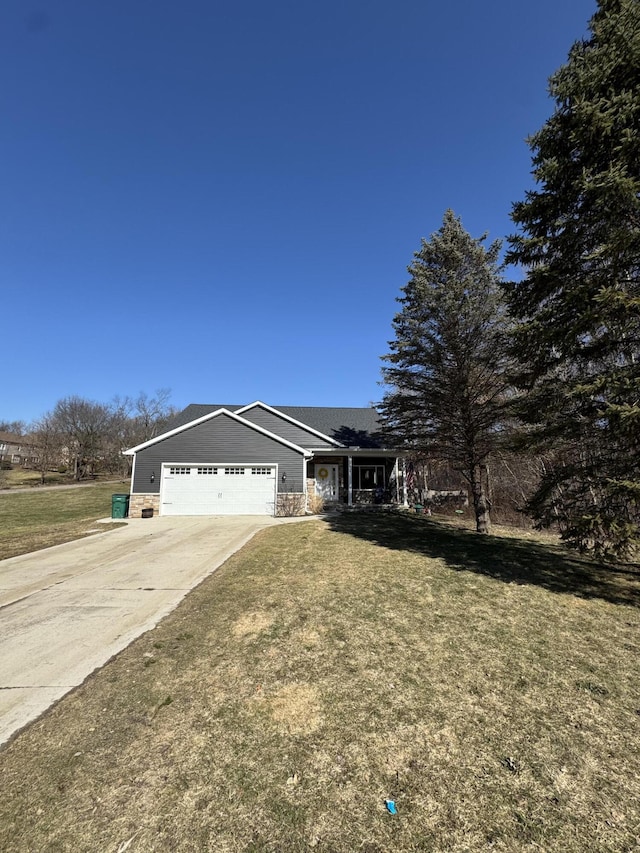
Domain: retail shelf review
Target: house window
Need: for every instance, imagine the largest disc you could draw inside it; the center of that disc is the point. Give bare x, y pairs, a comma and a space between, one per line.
179, 470
207, 470
265, 471
368, 476
234, 470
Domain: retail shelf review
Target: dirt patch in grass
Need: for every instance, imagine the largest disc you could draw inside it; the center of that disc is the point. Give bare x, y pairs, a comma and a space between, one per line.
297, 708
487, 685
252, 624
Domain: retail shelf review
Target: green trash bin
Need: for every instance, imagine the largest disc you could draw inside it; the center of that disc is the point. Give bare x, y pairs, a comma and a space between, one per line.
119, 506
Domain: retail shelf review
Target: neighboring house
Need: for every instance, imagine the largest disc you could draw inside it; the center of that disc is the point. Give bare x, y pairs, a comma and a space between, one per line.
17, 449
259, 460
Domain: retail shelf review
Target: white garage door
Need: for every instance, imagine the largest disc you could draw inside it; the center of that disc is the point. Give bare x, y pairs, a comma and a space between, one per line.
218, 490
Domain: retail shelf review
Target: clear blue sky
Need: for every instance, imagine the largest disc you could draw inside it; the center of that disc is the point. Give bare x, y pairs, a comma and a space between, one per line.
222, 198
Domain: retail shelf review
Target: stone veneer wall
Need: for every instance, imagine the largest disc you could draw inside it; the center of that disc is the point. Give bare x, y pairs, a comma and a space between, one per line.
139, 502
291, 504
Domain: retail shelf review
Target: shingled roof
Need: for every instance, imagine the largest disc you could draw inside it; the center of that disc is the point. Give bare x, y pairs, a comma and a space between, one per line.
351, 426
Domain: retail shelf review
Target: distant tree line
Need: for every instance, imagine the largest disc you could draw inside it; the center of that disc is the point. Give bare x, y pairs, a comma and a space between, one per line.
84, 437
539, 378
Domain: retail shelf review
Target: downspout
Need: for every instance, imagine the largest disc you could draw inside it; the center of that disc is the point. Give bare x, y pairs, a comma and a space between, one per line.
350, 480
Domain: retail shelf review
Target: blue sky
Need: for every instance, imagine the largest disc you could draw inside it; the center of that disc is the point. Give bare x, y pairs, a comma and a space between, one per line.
222, 198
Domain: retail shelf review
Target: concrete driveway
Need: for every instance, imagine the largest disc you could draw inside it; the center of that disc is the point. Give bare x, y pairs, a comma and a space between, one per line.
66, 610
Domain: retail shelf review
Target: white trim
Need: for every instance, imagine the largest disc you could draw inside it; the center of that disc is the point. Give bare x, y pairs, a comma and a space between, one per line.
349, 480
396, 474
291, 420
208, 417
133, 475
387, 452
405, 501
305, 488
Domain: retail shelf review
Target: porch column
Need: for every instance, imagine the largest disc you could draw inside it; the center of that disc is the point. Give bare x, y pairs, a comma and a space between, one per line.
396, 477
405, 502
350, 480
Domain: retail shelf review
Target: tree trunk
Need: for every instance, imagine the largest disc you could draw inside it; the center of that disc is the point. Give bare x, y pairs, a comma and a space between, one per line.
480, 502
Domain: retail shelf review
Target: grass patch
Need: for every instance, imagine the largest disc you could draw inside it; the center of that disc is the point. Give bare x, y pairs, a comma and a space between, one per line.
486, 685
30, 521
18, 477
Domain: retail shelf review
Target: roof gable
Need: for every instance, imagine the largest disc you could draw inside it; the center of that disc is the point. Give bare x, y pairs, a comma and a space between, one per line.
210, 416
340, 426
313, 434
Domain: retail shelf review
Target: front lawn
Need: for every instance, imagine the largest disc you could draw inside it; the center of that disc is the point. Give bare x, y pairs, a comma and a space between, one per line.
41, 518
488, 686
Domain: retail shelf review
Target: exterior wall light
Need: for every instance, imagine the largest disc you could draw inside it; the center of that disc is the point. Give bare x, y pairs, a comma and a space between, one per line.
284, 476
152, 478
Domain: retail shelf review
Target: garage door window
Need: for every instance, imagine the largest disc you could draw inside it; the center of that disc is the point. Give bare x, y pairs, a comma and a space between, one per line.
265, 471
234, 470
179, 470
207, 470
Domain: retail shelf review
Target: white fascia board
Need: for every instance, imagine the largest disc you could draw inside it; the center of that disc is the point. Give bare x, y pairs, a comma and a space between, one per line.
133, 475
358, 451
209, 417
291, 420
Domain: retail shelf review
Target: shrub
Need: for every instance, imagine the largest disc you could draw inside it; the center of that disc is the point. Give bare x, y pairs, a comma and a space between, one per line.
315, 504
290, 504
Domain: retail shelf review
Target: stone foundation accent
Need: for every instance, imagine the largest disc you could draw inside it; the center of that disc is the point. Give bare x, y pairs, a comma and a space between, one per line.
291, 504
139, 502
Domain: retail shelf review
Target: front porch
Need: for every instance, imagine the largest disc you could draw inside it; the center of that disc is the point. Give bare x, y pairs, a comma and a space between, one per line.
353, 476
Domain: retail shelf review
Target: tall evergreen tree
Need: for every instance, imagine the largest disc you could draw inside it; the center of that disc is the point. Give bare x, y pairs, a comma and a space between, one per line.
578, 308
447, 369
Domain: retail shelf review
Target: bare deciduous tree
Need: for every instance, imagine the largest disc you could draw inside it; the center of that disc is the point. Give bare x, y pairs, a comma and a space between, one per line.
83, 425
48, 444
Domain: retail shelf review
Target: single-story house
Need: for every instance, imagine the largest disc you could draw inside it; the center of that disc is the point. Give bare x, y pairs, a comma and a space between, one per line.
260, 460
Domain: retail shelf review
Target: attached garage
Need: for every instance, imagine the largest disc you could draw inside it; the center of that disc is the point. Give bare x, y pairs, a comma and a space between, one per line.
218, 489
220, 464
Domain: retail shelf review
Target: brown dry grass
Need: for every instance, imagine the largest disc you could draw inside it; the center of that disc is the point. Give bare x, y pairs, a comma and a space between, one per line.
19, 477
489, 686
38, 519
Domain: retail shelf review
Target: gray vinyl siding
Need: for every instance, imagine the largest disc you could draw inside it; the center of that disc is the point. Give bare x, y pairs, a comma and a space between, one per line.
350, 426
284, 428
219, 441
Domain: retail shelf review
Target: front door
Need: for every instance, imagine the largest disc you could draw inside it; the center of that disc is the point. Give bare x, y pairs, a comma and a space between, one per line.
327, 481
